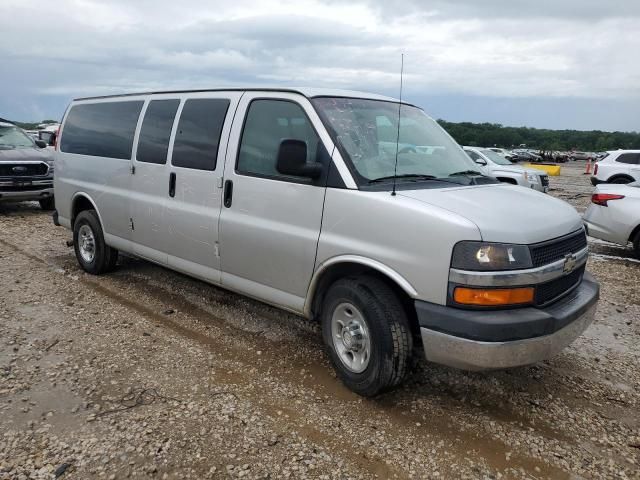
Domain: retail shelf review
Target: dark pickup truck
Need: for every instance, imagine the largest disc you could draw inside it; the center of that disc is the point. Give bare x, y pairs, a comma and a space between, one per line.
26, 168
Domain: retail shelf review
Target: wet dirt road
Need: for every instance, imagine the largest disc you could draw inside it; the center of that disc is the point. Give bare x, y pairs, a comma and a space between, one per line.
146, 372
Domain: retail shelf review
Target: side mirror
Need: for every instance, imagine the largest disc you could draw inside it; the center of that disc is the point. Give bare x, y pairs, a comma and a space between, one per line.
292, 160
480, 161
41, 143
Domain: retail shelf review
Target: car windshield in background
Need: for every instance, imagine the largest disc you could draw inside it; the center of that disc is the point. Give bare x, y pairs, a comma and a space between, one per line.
495, 158
367, 131
13, 137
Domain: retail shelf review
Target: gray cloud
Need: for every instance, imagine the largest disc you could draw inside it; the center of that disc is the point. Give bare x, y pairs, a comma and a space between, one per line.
494, 48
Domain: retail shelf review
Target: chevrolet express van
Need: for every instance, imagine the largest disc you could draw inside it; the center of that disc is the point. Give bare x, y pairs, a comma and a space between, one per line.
294, 197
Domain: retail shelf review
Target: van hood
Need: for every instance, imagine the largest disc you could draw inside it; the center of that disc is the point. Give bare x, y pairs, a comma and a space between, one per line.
505, 213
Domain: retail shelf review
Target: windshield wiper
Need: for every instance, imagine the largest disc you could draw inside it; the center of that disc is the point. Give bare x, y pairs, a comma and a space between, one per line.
465, 173
415, 176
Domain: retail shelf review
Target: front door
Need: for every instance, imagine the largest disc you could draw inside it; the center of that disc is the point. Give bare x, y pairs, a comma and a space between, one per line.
195, 179
270, 223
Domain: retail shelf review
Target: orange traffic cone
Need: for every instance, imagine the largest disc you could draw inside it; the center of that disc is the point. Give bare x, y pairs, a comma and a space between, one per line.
588, 171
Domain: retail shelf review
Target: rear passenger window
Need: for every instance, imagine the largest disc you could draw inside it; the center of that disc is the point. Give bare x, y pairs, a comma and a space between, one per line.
631, 158
153, 143
101, 129
269, 122
198, 134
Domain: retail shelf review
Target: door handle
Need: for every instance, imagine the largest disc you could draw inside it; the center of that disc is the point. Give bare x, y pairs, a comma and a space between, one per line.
172, 184
228, 193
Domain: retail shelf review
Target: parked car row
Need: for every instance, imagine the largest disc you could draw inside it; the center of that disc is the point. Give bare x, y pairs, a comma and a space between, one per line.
494, 165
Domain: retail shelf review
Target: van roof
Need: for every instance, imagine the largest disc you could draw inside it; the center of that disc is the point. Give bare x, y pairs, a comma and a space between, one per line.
309, 92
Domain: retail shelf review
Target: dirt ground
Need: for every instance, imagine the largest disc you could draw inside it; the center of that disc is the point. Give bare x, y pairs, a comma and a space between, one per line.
146, 372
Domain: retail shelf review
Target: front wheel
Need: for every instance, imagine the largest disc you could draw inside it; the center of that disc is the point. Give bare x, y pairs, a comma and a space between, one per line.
636, 245
366, 332
93, 254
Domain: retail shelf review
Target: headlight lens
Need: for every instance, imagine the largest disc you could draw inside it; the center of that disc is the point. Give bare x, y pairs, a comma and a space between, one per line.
483, 256
532, 178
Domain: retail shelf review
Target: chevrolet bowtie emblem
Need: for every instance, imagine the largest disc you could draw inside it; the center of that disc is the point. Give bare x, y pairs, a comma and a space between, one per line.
570, 262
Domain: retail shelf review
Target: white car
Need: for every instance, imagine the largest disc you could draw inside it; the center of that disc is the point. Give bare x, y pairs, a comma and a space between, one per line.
502, 152
494, 165
620, 166
614, 214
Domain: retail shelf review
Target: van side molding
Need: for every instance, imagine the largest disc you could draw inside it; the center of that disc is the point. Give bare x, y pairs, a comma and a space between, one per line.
354, 259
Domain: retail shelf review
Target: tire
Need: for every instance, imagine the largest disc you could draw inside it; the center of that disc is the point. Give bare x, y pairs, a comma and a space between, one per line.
636, 245
390, 342
620, 180
48, 203
92, 253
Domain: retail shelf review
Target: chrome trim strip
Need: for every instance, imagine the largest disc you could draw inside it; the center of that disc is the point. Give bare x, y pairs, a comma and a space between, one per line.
531, 276
12, 183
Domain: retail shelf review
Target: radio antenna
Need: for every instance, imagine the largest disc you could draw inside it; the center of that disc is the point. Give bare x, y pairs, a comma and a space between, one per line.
395, 166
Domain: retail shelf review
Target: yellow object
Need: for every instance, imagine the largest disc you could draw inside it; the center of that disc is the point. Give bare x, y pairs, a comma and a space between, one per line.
551, 169
502, 296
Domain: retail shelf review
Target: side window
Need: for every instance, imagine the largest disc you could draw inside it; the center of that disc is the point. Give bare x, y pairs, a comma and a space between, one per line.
103, 129
153, 143
629, 158
474, 156
198, 134
268, 122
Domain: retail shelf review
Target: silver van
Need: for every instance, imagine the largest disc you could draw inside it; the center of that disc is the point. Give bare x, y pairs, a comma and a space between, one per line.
341, 206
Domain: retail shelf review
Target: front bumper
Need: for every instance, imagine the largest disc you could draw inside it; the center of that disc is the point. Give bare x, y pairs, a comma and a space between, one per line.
23, 189
486, 340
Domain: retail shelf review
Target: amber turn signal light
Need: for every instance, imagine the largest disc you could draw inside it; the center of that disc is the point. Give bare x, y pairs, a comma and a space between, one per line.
493, 296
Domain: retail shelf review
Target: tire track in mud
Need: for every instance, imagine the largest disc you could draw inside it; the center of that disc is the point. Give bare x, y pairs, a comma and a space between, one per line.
400, 423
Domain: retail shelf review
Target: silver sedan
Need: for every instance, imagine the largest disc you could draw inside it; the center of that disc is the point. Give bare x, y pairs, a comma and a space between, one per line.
614, 214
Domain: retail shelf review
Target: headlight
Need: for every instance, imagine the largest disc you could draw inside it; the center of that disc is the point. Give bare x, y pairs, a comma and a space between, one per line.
532, 178
485, 256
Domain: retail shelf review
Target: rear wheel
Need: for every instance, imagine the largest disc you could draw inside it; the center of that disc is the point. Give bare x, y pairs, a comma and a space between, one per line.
48, 203
367, 334
93, 254
636, 245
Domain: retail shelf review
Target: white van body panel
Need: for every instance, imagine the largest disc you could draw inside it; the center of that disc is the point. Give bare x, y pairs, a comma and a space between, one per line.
395, 231
106, 183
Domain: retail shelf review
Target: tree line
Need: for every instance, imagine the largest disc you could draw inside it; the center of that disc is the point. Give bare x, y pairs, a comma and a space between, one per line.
493, 134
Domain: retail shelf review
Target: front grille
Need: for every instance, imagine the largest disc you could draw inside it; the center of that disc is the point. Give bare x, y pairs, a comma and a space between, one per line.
545, 180
553, 250
23, 169
549, 291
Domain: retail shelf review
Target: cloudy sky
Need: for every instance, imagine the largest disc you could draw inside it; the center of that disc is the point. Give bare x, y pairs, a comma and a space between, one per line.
541, 63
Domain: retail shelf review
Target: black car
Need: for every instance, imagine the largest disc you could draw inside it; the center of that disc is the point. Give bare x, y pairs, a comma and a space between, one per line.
26, 167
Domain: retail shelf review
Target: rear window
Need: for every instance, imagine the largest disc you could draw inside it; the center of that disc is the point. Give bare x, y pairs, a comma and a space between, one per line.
101, 129
629, 158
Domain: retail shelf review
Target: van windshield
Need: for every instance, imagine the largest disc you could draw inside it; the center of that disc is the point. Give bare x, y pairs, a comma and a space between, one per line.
366, 131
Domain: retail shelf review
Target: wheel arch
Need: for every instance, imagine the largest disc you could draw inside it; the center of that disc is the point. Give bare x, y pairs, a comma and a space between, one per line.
348, 265
634, 232
510, 180
80, 202
620, 176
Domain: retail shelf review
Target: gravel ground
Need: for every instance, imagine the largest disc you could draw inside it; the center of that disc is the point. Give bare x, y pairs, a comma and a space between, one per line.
148, 373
